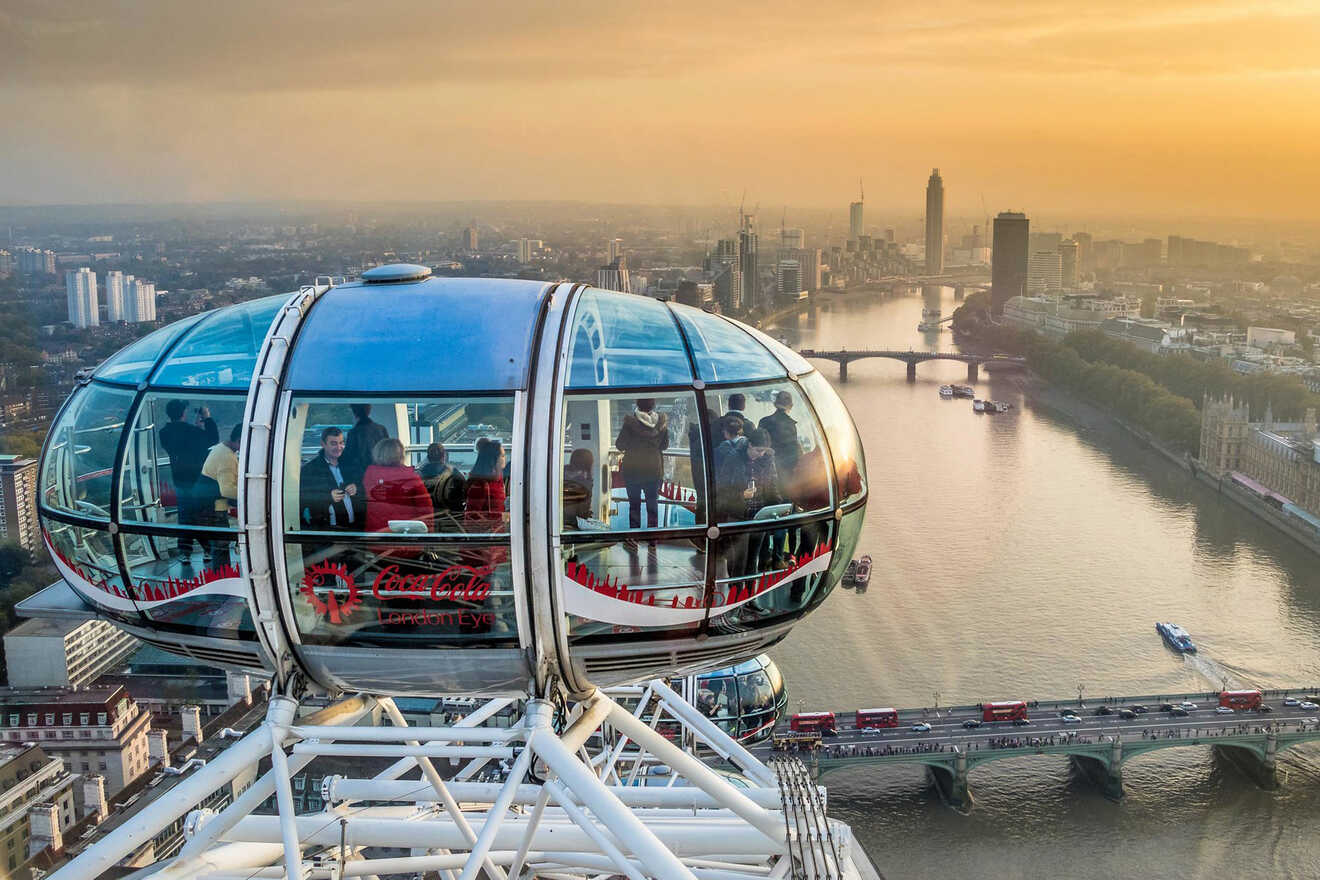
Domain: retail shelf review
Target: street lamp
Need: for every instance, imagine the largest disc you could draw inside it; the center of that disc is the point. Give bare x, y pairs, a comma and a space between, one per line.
1081, 689
937, 704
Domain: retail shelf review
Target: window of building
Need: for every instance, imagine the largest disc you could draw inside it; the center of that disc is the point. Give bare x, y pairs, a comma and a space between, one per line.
101, 718
83, 718
32, 719
13, 719
50, 718
68, 718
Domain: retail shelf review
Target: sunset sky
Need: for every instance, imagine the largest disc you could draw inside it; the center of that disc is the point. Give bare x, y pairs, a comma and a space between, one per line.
1117, 106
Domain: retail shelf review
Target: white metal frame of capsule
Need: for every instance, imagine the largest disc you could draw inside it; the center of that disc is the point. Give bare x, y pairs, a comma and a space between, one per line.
569, 805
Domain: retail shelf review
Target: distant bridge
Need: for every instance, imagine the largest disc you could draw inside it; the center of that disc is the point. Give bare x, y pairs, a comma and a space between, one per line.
1098, 745
844, 356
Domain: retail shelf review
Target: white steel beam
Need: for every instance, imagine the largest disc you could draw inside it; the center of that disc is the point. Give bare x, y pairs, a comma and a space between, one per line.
682, 797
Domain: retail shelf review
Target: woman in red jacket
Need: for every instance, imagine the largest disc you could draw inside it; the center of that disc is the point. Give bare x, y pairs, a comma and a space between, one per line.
484, 511
394, 490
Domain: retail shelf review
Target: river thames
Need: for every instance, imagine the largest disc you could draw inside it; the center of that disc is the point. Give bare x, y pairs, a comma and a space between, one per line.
1023, 555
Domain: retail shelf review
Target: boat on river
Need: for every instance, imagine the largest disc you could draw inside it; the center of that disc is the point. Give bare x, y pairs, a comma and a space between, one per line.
964, 391
978, 406
946, 391
1176, 637
862, 574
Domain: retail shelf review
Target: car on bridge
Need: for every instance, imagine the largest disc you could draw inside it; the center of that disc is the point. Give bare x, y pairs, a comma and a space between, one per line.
1188, 705
1126, 714
1021, 722
921, 727
1066, 711
1223, 710
1308, 704
971, 722
1070, 719
1179, 711
1291, 701
1140, 710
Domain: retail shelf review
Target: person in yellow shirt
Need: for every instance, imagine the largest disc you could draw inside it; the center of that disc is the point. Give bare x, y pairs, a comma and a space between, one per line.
219, 481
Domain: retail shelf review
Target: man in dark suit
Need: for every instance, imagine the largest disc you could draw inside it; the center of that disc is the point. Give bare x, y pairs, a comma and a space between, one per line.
782, 429
362, 439
187, 446
325, 496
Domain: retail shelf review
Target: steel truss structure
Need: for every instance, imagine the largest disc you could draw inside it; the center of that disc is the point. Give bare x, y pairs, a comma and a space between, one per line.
594, 790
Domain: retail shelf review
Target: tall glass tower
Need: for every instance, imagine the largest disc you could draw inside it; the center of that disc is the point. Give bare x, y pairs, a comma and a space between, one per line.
935, 224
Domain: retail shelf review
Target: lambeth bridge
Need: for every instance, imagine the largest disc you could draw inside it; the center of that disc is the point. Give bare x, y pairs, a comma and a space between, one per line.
974, 362
1097, 744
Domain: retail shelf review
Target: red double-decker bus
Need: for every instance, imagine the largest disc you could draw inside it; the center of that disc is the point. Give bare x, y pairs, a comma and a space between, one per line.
806, 721
1240, 699
1007, 710
873, 718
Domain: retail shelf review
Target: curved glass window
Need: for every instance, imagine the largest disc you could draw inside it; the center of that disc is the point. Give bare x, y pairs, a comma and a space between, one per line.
845, 445
632, 463
796, 363
80, 452
208, 599
405, 467
767, 573
769, 459
443, 334
86, 560
613, 588
134, 363
181, 463
724, 352
744, 700
352, 593
619, 340
220, 352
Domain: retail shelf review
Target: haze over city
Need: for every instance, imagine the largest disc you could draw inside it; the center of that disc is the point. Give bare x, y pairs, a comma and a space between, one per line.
1118, 107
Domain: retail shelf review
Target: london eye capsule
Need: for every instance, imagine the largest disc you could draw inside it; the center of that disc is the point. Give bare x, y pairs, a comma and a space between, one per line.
418, 485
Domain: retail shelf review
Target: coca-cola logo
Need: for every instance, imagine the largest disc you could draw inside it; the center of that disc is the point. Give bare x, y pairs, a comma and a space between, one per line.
458, 583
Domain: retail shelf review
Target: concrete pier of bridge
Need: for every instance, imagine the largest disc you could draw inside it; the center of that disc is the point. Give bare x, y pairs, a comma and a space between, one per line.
912, 371
1257, 761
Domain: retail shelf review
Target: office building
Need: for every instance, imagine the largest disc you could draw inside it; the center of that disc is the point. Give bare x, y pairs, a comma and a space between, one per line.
614, 276
1044, 272
1085, 252
18, 502
1068, 264
114, 296
64, 653
28, 777
935, 224
470, 239
1008, 258
808, 260
615, 250
80, 290
747, 252
788, 279
6, 264
96, 730
855, 225
524, 246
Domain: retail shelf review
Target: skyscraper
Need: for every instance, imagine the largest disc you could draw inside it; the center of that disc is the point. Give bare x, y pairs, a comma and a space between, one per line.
788, 279
616, 249
18, 502
751, 279
1070, 275
470, 239
1008, 260
80, 288
728, 283
935, 224
114, 296
855, 224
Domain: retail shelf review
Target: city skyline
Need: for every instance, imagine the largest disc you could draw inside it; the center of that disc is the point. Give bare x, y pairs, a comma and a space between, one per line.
1150, 93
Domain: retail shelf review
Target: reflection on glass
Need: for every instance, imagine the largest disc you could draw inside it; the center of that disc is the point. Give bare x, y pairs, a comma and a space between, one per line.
208, 600
845, 445
430, 466
768, 456
221, 351
413, 596
768, 573
632, 463
621, 340
86, 560
80, 452
744, 700
134, 363
724, 352
181, 466
619, 587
